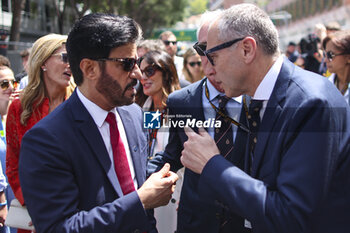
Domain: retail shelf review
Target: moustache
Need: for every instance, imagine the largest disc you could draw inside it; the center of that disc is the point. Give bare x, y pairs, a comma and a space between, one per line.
133, 83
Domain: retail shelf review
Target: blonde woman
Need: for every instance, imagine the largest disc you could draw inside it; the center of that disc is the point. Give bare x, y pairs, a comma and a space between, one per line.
50, 83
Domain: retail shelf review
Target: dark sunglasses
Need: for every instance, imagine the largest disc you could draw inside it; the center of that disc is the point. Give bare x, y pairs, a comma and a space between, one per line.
5, 84
192, 64
219, 47
63, 56
200, 48
127, 63
150, 70
330, 55
167, 42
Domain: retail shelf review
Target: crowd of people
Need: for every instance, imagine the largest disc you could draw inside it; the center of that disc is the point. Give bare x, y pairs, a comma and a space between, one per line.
318, 51
77, 156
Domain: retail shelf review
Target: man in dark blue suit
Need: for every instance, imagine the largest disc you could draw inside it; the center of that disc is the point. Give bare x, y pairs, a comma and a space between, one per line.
71, 161
194, 214
297, 170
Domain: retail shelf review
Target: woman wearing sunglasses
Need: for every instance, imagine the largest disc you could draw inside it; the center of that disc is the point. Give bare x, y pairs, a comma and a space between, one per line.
192, 68
50, 83
159, 79
6, 84
337, 50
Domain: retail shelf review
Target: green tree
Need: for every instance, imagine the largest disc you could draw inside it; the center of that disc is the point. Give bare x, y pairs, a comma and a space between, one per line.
17, 7
198, 6
149, 14
60, 8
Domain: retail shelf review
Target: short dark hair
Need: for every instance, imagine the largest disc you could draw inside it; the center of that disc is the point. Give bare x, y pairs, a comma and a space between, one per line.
95, 35
4, 61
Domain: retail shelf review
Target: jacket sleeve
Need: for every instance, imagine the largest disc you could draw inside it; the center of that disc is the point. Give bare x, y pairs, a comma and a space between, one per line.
304, 159
12, 148
52, 194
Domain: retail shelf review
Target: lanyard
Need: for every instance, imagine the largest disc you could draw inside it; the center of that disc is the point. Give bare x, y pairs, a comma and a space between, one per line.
239, 125
153, 137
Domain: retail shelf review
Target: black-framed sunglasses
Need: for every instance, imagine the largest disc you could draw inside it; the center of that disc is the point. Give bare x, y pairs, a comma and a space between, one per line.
5, 84
63, 56
193, 63
219, 47
200, 48
127, 63
150, 70
167, 42
330, 55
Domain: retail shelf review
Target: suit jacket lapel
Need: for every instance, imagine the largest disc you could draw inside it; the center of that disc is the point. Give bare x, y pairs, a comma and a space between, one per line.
95, 143
194, 99
273, 110
133, 145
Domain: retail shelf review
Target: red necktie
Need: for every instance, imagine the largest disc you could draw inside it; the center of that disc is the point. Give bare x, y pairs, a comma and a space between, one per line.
121, 164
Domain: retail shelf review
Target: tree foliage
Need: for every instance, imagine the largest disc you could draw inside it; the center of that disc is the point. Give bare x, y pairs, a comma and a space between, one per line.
198, 6
148, 13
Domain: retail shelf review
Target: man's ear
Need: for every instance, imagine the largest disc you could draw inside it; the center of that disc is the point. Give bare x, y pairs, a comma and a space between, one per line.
249, 48
90, 68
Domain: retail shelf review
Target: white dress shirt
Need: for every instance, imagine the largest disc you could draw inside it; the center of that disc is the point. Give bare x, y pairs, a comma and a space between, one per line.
265, 88
99, 116
346, 94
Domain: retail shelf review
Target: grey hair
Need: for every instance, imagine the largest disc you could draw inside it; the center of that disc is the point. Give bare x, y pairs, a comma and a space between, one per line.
208, 17
244, 20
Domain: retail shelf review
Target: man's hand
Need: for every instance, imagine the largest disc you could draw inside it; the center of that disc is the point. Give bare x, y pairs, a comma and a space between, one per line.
158, 188
198, 149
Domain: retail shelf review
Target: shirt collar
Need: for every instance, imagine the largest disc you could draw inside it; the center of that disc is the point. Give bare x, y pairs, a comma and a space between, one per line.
98, 114
265, 88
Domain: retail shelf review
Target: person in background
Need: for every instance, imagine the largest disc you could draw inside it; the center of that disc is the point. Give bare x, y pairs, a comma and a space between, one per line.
192, 68
4, 61
49, 85
292, 52
170, 42
159, 79
24, 73
149, 45
7, 88
83, 167
337, 50
296, 175
145, 46
332, 27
